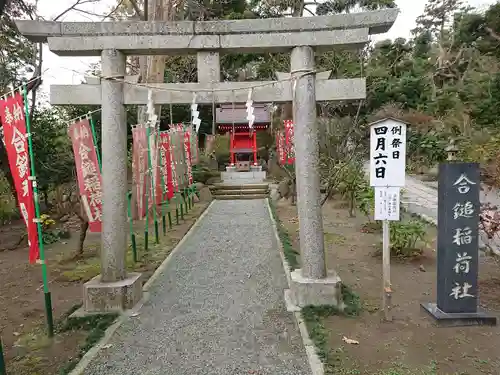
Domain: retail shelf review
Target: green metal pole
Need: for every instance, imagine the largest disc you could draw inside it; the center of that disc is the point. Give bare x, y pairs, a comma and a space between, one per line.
163, 219
181, 202
94, 136
131, 222
47, 297
155, 206
3, 369
146, 227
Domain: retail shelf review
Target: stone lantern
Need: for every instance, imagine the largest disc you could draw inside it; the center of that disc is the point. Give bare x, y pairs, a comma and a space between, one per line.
451, 150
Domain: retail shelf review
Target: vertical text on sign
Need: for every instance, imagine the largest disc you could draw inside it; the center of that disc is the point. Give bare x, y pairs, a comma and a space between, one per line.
88, 172
458, 223
174, 157
387, 202
16, 146
140, 168
290, 141
387, 153
187, 151
167, 168
280, 145
155, 185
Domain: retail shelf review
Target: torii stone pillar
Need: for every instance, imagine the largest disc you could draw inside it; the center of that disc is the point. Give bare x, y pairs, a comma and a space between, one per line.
311, 285
114, 289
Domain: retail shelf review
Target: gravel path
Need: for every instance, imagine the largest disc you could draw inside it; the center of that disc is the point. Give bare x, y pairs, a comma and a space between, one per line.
420, 198
218, 307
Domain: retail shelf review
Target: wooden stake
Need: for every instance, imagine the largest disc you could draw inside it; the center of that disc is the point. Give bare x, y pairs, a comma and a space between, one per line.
386, 271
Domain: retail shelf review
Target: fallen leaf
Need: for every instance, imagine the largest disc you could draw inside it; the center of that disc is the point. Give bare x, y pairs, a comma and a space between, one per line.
350, 341
107, 346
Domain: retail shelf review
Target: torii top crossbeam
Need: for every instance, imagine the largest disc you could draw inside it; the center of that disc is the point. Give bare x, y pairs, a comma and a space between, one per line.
249, 35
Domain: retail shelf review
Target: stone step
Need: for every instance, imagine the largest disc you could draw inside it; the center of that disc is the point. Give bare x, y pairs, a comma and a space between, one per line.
238, 197
238, 186
219, 192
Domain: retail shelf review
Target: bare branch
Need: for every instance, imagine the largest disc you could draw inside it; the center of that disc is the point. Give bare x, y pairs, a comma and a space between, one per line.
309, 11
26, 9
493, 34
137, 9
331, 187
37, 73
72, 7
89, 13
113, 10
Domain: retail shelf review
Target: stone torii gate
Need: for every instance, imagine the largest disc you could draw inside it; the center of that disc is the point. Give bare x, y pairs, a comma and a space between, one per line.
116, 290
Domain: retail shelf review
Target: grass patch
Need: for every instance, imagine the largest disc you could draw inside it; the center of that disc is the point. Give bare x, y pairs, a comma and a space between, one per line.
94, 325
314, 316
291, 255
401, 369
334, 238
83, 271
36, 348
337, 361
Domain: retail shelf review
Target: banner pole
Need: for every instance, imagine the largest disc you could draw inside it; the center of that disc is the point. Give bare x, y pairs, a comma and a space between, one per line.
47, 297
155, 206
131, 222
148, 176
3, 369
94, 137
181, 196
163, 202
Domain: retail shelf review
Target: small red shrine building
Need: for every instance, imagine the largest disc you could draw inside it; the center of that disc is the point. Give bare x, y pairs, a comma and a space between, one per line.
243, 140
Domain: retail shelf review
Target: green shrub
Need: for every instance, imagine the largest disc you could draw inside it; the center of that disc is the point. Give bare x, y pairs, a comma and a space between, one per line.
405, 237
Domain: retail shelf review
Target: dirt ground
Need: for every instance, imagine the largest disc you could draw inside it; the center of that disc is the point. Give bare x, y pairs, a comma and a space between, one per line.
411, 344
22, 314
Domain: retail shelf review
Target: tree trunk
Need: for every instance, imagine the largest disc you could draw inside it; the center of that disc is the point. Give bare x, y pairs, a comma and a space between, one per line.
84, 226
152, 68
5, 168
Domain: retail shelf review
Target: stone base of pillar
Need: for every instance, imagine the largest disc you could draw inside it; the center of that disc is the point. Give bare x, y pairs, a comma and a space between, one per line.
316, 292
256, 168
118, 296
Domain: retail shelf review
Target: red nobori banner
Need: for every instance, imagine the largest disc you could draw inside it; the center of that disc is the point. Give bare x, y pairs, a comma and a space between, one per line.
195, 152
289, 141
173, 162
140, 168
155, 185
187, 150
167, 165
280, 147
88, 172
16, 145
